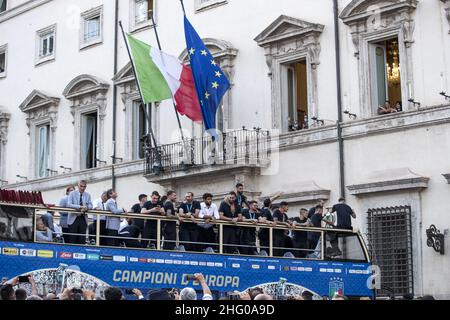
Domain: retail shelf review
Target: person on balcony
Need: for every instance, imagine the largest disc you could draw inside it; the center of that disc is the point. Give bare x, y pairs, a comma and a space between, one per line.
77, 222
229, 211
189, 210
137, 208
100, 205
248, 234
153, 207
241, 199
113, 223
280, 218
63, 215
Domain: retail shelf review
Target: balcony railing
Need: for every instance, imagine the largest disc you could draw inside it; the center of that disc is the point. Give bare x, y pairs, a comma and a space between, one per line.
246, 147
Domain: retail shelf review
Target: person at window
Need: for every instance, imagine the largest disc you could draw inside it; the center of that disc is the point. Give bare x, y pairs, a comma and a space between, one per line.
241, 199
387, 108
398, 106
137, 208
170, 227
43, 233
280, 218
79, 200
153, 208
266, 217
189, 210
210, 213
63, 215
99, 205
229, 211
300, 238
113, 223
248, 235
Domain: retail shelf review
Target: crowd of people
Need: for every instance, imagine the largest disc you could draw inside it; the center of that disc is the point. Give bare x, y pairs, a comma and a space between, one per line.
192, 235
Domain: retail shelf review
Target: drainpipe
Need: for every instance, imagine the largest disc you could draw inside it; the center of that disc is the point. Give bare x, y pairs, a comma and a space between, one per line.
116, 30
339, 99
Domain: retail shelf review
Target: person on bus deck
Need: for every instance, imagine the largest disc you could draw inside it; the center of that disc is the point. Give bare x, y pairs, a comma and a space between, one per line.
344, 215
137, 208
63, 215
248, 235
300, 238
170, 227
43, 233
210, 213
316, 220
79, 200
189, 209
229, 211
267, 218
129, 234
153, 208
280, 218
113, 223
99, 205
241, 199
312, 211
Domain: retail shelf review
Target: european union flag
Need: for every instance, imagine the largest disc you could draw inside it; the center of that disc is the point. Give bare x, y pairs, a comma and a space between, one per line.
210, 81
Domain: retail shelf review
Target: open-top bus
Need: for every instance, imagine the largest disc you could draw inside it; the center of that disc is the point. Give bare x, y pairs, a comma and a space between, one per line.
56, 265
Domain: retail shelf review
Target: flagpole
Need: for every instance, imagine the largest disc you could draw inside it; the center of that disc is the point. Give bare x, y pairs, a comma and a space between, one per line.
182, 6
138, 85
160, 49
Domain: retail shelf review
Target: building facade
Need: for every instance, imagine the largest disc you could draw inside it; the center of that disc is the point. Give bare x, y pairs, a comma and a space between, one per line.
70, 110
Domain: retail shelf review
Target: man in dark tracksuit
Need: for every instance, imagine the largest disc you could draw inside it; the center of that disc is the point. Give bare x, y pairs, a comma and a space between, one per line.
229, 211
188, 230
170, 227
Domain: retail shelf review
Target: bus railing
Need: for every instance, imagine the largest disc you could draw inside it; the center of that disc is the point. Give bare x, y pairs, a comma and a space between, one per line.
316, 253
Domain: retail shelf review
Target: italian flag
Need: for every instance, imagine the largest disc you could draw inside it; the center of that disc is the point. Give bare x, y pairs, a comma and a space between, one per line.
161, 76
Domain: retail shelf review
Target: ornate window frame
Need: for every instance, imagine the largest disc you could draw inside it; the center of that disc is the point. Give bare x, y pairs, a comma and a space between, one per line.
85, 16
41, 108
224, 54
39, 60
288, 40
130, 95
375, 20
87, 94
209, 4
4, 50
4, 122
143, 25
446, 10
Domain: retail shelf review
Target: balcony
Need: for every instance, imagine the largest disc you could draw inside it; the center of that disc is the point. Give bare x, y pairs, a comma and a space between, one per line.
231, 151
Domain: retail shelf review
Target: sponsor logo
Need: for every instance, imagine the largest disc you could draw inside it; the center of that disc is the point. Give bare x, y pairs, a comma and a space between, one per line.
286, 268
210, 264
106, 258
202, 264
330, 270
93, 257
168, 261
337, 270
323, 270
160, 261
151, 260
236, 265
45, 253
308, 269
134, 260
65, 255
28, 252
271, 268
143, 260
119, 259
194, 263
79, 256
302, 269
219, 265
294, 268
186, 263
177, 262
255, 266
10, 251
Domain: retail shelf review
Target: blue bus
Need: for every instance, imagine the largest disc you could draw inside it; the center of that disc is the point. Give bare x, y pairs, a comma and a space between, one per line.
56, 265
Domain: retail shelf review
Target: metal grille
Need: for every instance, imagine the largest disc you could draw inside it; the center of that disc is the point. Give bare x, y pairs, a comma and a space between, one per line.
390, 246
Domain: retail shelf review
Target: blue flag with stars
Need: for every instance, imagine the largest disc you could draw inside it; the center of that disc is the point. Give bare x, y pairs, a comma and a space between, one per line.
211, 83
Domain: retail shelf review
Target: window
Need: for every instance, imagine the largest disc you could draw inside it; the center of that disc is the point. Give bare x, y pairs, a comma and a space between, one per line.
46, 44
3, 53
344, 246
91, 26
297, 96
3, 5
201, 5
141, 13
89, 141
390, 245
43, 150
141, 128
386, 76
